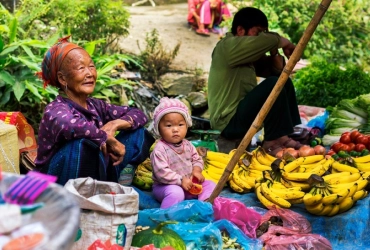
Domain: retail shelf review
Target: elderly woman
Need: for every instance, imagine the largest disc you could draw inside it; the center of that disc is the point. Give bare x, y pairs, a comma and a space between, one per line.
77, 132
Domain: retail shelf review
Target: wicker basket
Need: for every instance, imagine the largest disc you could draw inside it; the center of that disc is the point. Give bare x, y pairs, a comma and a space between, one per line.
60, 216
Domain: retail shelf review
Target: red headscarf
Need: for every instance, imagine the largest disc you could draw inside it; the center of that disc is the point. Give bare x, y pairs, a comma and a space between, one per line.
53, 60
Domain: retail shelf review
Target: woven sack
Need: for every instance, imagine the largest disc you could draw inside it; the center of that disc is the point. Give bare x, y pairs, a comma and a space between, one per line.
109, 212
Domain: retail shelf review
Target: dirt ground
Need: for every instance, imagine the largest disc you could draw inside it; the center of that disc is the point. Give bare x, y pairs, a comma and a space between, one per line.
170, 21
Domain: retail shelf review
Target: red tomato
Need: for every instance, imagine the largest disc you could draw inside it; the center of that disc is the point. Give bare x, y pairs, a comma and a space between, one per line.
336, 146
344, 147
331, 152
359, 147
345, 138
354, 135
367, 146
346, 133
362, 139
351, 146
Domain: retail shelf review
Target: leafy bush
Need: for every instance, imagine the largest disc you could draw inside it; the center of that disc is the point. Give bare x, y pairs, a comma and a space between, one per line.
85, 20
156, 60
325, 84
341, 37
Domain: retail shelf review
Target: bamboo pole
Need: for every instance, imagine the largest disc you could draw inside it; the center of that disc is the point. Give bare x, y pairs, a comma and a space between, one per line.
324, 5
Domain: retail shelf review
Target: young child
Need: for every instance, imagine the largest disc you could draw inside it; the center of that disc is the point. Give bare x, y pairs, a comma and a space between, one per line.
174, 159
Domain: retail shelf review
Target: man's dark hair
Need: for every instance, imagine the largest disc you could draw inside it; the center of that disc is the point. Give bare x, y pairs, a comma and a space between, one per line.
249, 17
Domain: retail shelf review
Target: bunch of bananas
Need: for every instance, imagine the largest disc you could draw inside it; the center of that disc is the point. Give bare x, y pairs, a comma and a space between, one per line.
271, 192
143, 175
249, 170
214, 165
335, 193
362, 164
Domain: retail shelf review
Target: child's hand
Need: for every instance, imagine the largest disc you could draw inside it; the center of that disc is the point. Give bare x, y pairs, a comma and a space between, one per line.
186, 183
198, 175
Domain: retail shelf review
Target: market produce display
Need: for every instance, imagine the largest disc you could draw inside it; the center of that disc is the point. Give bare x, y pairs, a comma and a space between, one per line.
352, 144
143, 175
160, 236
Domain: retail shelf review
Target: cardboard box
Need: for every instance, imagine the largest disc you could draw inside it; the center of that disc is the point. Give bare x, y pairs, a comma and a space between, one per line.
9, 150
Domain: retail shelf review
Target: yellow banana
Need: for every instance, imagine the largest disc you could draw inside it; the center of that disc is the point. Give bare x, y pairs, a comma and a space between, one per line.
240, 182
215, 170
312, 199
207, 177
331, 176
288, 193
327, 209
296, 201
143, 173
268, 204
344, 179
366, 175
277, 185
303, 185
327, 163
330, 199
315, 209
362, 159
217, 164
235, 187
251, 181
359, 195
365, 194
213, 175
293, 164
274, 197
352, 190
312, 159
313, 165
342, 195
319, 170
364, 167
346, 204
344, 168
296, 176
218, 156
263, 157
259, 167
334, 211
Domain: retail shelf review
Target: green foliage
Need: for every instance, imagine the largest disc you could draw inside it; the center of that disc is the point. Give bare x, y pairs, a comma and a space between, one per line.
325, 84
84, 20
155, 59
341, 37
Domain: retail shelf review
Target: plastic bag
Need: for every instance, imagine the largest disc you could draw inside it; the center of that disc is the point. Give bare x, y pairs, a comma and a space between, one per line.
99, 245
294, 234
291, 220
233, 210
278, 238
185, 211
319, 121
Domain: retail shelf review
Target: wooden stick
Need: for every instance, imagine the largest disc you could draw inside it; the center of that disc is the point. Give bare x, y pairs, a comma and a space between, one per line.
324, 5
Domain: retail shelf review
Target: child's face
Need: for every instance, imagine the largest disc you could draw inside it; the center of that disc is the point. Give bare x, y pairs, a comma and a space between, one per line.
172, 127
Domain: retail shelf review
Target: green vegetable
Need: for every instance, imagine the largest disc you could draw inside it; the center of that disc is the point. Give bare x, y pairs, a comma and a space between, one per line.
159, 236
365, 152
335, 157
350, 106
344, 114
353, 153
338, 131
343, 154
329, 140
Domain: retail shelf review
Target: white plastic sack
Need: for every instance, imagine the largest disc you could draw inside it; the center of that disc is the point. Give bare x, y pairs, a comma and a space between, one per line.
109, 211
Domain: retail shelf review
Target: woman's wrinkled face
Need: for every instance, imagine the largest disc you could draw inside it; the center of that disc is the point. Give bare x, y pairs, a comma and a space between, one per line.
78, 73
173, 128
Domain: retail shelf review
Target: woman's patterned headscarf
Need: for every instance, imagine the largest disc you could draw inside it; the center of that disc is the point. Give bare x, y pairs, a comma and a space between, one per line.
53, 60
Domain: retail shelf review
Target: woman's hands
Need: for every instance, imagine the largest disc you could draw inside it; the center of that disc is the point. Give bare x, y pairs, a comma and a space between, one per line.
112, 127
114, 149
287, 47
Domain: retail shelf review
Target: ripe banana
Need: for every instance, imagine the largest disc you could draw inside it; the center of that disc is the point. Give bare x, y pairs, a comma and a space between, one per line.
235, 187
344, 168
344, 179
147, 165
213, 175
274, 197
346, 204
263, 157
218, 156
330, 199
327, 209
312, 199
251, 181
312, 159
331, 176
296, 176
362, 159
296, 201
207, 177
240, 182
364, 167
217, 164
291, 184
293, 165
268, 204
315, 209
288, 193
359, 195
366, 175
334, 211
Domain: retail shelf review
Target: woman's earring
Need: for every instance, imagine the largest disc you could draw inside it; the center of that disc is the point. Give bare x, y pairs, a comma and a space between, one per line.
66, 88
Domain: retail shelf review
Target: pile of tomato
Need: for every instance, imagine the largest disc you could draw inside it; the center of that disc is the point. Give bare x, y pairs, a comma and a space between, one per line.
353, 143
